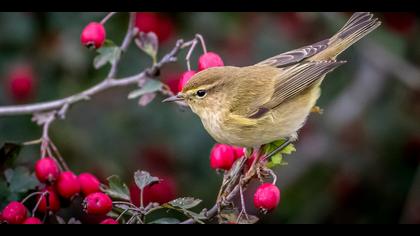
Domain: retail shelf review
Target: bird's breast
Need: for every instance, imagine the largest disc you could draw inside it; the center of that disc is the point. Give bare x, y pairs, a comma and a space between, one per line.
214, 123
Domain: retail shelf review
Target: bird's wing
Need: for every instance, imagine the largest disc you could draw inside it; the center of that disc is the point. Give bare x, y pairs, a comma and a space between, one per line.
294, 80
295, 56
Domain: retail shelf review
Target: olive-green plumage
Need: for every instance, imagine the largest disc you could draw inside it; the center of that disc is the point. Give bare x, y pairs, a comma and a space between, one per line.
254, 105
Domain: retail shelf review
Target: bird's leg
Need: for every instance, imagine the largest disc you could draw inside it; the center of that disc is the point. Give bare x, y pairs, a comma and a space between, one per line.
317, 109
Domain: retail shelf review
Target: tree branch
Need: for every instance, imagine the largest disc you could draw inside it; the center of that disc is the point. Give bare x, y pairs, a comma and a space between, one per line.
102, 86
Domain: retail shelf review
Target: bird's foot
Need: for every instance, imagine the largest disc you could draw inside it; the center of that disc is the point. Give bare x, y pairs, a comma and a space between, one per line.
317, 109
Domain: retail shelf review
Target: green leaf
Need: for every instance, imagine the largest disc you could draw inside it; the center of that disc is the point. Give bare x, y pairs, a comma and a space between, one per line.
251, 219
109, 53
197, 217
146, 99
20, 180
114, 214
151, 86
117, 189
148, 42
278, 159
289, 149
169, 221
185, 202
60, 220
8, 152
143, 179
74, 221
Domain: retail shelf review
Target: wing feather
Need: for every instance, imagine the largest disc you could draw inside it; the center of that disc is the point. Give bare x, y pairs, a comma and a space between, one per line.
295, 56
295, 80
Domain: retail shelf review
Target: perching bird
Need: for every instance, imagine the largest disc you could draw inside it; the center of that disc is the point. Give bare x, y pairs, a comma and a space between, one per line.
255, 105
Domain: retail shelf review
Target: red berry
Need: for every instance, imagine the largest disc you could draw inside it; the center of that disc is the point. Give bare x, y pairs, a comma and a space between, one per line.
222, 156
53, 201
14, 213
32, 221
185, 77
67, 184
239, 152
21, 83
161, 192
400, 22
109, 221
267, 197
161, 25
97, 204
93, 35
294, 25
46, 170
250, 161
172, 80
209, 60
89, 183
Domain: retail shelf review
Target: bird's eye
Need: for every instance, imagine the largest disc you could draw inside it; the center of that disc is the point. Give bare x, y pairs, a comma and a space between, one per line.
201, 93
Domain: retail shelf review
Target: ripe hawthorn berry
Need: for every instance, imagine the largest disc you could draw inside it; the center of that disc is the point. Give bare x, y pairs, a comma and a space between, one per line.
97, 204
32, 221
267, 197
53, 201
46, 170
14, 213
185, 77
222, 156
208, 60
89, 183
160, 24
239, 152
21, 83
93, 35
68, 184
162, 192
109, 221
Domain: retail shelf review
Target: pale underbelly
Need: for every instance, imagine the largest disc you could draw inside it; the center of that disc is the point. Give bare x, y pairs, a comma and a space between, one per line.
280, 123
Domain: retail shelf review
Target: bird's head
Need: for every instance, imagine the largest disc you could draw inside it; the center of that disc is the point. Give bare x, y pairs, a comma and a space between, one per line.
207, 90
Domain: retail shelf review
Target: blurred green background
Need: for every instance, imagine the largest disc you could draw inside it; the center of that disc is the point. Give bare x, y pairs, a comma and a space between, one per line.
358, 162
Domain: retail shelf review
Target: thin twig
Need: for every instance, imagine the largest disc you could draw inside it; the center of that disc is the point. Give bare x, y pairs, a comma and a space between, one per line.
124, 46
243, 210
29, 196
107, 17
102, 86
58, 156
190, 51
33, 142
203, 44
271, 172
45, 194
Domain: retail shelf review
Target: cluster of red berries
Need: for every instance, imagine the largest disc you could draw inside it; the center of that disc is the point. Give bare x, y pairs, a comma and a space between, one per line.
207, 60
64, 184
222, 157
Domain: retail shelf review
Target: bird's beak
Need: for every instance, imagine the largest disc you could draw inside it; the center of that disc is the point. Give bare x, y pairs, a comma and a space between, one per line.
175, 98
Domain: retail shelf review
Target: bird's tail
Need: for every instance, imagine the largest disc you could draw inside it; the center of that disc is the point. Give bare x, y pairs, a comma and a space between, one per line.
359, 25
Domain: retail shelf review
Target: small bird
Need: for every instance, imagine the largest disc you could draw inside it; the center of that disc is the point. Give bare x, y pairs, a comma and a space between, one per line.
271, 100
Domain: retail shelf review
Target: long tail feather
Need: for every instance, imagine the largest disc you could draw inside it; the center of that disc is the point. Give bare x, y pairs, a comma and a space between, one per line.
358, 26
